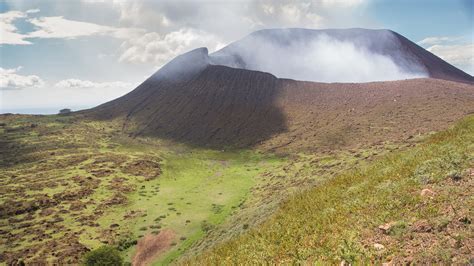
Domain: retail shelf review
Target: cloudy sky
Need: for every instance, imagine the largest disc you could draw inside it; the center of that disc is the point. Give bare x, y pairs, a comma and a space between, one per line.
80, 53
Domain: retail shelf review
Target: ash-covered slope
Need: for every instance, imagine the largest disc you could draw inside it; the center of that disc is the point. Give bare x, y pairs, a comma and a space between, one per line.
201, 104
196, 101
335, 55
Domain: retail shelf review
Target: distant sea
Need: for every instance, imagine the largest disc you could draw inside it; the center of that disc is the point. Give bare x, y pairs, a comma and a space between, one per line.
37, 111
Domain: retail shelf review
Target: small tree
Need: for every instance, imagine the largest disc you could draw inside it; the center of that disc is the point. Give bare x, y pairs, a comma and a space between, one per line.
64, 111
103, 256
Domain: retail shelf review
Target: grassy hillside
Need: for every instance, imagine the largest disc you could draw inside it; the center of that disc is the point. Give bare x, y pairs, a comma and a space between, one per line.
408, 206
69, 185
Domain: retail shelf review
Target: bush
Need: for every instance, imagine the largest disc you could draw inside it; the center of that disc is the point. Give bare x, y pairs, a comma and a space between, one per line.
65, 111
103, 256
126, 243
397, 229
206, 226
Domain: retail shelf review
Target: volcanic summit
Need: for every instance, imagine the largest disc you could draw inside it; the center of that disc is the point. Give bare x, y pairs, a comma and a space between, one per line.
297, 88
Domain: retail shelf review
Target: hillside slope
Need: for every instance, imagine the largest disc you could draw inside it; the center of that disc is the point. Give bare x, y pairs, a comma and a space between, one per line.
218, 106
407, 207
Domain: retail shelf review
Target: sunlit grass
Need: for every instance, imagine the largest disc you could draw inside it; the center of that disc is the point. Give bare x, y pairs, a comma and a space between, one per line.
329, 223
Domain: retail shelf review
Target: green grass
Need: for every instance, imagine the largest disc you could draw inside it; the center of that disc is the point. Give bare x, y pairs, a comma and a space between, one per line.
274, 208
335, 220
191, 184
196, 186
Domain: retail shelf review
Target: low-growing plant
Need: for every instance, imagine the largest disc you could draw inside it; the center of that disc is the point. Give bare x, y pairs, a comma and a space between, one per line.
126, 243
349, 251
103, 256
398, 228
206, 226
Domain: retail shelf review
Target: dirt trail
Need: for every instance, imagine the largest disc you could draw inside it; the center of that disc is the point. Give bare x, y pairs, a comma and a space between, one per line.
151, 246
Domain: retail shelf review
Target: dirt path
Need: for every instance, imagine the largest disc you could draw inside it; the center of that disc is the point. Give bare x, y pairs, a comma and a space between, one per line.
151, 246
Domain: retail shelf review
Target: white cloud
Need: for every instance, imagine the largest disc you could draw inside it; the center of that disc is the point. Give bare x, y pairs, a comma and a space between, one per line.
233, 19
140, 12
56, 27
461, 55
173, 25
342, 3
59, 27
437, 40
158, 49
10, 80
8, 31
322, 59
86, 84
32, 11
309, 14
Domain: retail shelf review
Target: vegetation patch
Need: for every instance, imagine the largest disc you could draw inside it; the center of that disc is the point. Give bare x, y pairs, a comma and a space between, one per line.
71, 185
103, 256
403, 208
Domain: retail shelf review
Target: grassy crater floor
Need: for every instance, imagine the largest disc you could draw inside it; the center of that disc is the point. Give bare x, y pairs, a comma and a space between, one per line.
68, 186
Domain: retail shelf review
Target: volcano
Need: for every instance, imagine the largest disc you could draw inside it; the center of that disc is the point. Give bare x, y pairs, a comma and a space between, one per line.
247, 93
336, 55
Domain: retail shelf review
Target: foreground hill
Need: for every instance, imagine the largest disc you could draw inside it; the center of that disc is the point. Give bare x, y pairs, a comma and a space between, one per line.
413, 206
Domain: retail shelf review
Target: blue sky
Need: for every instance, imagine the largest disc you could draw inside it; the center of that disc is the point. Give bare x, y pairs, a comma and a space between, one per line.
80, 53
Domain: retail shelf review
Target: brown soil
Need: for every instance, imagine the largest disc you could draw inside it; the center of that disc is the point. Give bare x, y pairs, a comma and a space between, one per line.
223, 107
328, 116
151, 246
148, 169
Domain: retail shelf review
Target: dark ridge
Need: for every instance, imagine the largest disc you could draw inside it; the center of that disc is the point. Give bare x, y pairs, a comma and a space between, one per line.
436, 67
219, 107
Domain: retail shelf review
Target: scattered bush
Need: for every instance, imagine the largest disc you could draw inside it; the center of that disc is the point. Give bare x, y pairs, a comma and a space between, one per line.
206, 226
103, 256
126, 243
455, 175
433, 170
349, 251
217, 208
397, 228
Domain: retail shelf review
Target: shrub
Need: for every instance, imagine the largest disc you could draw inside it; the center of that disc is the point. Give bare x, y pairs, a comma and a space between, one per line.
65, 111
397, 229
433, 170
349, 251
206, 226
103, 256
126, 243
